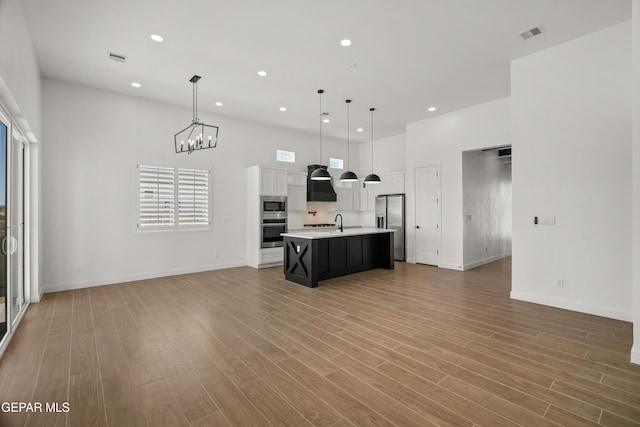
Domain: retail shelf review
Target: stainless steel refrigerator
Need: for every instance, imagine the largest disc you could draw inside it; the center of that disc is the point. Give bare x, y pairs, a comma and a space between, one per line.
390, 215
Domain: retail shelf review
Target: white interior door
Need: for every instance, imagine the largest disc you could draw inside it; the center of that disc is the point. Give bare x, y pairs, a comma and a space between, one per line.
428, 215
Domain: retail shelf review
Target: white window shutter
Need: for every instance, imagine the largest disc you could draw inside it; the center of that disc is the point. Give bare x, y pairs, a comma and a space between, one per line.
156, 197
193, 197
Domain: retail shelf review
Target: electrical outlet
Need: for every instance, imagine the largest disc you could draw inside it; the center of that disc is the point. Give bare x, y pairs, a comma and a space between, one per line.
227, 219
560, 283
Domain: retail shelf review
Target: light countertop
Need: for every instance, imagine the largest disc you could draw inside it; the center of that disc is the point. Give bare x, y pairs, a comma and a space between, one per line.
335, 233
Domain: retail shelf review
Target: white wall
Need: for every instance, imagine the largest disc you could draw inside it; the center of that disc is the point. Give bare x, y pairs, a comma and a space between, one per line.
635, 352
94, 139
20, 94
571, 108
441, 140
486, 202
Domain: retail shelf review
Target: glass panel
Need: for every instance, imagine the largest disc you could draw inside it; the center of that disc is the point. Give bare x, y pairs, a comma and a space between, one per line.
336, 163
3, 230
285, 156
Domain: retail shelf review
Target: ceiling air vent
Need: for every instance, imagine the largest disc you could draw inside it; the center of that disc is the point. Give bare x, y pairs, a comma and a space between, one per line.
535, 31
117, 57
502, 152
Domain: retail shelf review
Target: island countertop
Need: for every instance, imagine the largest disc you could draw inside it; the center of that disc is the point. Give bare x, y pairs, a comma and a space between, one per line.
335, 233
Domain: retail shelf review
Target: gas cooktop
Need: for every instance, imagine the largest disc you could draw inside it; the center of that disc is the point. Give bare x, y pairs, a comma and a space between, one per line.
319, 225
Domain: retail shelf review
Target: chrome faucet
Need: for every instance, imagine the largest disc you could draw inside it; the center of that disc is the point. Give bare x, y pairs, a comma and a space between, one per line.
336, 219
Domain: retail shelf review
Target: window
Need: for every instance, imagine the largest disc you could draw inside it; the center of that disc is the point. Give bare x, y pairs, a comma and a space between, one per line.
285, 156
156, 199
173, 198
193, 197
336, 163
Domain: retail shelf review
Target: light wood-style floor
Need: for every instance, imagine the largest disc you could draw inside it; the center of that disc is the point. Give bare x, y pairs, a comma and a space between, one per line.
417, 346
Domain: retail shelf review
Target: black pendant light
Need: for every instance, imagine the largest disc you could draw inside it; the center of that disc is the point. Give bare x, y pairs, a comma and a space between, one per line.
372, 178
320, 174
348, 176
196, 136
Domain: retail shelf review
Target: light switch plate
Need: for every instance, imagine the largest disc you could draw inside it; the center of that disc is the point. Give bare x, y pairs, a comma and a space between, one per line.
547, 220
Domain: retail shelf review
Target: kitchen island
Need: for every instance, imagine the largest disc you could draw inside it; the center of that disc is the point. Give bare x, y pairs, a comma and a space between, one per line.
311, 256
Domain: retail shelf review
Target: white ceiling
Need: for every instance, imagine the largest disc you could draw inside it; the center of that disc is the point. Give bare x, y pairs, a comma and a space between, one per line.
409, 54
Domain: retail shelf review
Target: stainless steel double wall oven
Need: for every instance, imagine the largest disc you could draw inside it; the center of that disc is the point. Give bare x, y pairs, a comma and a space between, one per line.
273, 220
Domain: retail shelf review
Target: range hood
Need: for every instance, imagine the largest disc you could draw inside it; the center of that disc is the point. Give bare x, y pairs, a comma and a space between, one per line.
319, 191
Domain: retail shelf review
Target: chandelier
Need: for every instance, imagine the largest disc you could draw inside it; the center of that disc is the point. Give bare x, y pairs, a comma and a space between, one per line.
196, 136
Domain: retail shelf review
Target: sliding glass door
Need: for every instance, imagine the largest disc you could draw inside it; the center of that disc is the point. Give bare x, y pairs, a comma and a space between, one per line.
4, 318
13, 168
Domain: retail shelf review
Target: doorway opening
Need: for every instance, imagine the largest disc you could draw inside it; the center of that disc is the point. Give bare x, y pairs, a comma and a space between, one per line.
487, 205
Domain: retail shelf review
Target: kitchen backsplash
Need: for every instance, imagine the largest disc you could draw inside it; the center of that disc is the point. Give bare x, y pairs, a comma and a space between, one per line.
325, 212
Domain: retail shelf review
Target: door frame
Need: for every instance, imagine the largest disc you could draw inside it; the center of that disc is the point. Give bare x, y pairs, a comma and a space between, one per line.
19, 142
437, 165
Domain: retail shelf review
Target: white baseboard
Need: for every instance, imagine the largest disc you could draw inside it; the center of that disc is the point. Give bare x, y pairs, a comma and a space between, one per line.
123, 279
451, 267
485, 261
635, 353
411, 260
271, 264
37, 297
573, 306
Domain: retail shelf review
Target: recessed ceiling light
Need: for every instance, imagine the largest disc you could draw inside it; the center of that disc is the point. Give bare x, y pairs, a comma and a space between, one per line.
219, 104
283, 108
432, 108
262, 73
136, 84
156, 38
345, 42
325, 120
360, 130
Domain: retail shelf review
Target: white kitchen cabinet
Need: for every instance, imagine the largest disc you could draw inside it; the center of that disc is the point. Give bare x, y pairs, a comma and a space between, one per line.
392, 183
262, 182
397, 183
271, 256
367, 198
372, 193
384, 187
298, 179
344, 199
357, 203
273, 182
297, 198
297, 191
344, 185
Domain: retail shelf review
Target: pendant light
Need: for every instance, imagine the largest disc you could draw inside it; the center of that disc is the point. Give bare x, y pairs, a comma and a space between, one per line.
348, 176
372, 178
196, 136
320, 174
